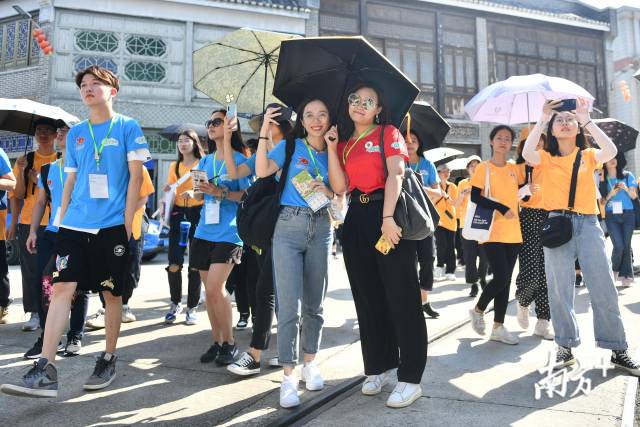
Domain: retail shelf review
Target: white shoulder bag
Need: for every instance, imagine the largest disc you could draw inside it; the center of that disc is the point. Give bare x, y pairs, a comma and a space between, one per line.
479, 221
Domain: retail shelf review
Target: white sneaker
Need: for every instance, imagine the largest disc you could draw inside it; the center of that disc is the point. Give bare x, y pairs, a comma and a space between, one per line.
274, 362
501, 334
32, 324
289, 392
127, 315
95, 321
311, 377
373, 383
543, 329
451, 277
404, 395
523, 317
477, 322
627, 282
438, 274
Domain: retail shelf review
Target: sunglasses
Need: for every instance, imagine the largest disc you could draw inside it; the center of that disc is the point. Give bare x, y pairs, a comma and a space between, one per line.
368, 103
214, 123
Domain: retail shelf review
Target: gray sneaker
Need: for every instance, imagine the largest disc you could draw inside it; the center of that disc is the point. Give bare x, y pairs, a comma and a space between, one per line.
103, 374
39, 381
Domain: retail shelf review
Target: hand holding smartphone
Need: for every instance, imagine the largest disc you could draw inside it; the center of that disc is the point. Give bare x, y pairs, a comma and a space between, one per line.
232, 113
567, 105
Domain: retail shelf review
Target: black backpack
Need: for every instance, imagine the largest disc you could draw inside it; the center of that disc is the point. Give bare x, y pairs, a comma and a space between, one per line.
260, 206
31, 155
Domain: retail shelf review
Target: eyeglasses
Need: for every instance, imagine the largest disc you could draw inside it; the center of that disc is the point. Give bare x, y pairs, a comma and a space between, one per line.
565, 121
214, 123
355, 101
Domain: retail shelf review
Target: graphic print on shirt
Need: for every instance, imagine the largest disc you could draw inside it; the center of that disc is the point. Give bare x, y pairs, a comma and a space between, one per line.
371, 148
302, 163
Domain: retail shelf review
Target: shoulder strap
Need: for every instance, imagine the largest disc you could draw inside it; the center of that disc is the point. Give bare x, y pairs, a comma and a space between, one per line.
528, 171
574, 180
384, 158
289, 148
30, 161
44, 176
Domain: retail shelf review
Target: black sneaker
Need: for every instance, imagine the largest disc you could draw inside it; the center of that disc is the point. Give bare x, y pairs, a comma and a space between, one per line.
40, 381
564, 358
211, 354
35, 351
243, 322
103, 374
245, 365
227, 355
426, 307
474, 290
621, 360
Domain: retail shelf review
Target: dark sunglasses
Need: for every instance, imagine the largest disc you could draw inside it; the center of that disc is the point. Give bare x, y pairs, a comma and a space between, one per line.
215, 122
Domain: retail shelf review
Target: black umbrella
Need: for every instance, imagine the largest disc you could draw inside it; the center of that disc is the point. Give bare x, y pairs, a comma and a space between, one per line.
427, 123
326, 67
172, 132
623, 135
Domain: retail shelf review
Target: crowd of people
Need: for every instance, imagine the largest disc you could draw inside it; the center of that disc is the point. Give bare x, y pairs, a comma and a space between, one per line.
79, 215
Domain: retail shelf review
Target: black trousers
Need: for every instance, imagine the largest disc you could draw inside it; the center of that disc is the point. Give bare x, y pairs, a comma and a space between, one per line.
472, 271
176, 256
459, 246
5, 289
242, 282
31, 278
502, 259
263, 309
445, 249
425, 261
135, 266
385, 291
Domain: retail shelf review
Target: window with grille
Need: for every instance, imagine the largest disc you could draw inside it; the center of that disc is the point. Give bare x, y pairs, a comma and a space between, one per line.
82, 62
146, 46
145, 71
17, 46
96, 41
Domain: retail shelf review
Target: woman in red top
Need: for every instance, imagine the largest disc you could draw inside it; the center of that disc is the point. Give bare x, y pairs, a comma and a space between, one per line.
385, 287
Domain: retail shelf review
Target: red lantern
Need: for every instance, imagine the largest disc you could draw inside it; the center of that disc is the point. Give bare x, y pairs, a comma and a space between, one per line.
48, 50
40, 37
36, 32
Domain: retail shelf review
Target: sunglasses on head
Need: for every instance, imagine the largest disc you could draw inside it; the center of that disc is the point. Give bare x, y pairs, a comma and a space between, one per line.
215, 122
355, 101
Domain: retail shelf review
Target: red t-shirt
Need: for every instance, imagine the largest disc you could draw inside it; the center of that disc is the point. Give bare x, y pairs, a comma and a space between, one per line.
363, 163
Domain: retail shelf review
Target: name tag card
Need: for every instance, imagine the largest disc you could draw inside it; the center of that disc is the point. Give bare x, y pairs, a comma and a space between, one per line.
56, 218
212, 212
98, 186
616, 207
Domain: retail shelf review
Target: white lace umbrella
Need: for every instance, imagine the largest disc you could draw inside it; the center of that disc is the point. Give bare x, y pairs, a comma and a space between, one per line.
442, 155
20, 115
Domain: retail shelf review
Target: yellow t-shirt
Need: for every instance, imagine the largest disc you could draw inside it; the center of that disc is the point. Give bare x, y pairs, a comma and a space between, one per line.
145, 189
557, 179
504, 189
185, 186
3, 224
32, 189
463, 185
535, 200
445, 206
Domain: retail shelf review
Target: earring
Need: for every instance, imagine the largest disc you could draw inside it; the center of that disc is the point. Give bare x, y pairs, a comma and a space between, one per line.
378, 118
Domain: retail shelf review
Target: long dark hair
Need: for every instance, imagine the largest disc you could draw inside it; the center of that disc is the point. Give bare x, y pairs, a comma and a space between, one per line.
298, 130
236, 137
345, 124
620, 166
197, 152
552, 142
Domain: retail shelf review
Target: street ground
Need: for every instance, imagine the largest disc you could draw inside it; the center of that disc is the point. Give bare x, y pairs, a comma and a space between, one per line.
467, 380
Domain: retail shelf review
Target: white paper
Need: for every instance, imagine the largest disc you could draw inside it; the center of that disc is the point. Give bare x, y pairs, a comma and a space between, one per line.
616, 207
524, 191
98, 186
198, 176
168, 202
56, 218
212, 212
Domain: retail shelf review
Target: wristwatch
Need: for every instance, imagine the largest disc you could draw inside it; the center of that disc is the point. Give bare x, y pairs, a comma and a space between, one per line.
225, 193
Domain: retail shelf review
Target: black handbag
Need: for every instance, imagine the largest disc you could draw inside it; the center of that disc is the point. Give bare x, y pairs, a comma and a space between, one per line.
260, 206
558, 230
413, 210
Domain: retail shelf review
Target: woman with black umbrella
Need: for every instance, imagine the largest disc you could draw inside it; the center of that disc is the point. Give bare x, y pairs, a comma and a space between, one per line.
384, 282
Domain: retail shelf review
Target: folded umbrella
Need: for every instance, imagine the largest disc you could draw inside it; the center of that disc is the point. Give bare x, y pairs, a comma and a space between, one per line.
172, 132
427, 123
442, 155
20, 115
326, 67
519, 99
623, 135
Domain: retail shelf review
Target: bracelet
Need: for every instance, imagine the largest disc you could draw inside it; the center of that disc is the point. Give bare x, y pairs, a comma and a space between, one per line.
388, 216
263, 137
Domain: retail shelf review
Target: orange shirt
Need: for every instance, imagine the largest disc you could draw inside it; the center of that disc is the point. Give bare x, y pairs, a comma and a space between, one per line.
535, 200
557, 179
463, 185
32, 189
185, 186
3, 224
145, 189
503, 182
445, 207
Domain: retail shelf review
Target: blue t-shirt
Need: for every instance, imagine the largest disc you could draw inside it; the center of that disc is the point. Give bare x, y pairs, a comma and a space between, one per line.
5, 168
302, 159
427, 169
55, 181
622, 195
251, 164
226, 230
125, 137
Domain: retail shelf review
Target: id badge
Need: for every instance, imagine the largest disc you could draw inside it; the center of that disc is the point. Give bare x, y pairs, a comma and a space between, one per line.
98, 186
56, 218
212, 212
616, 207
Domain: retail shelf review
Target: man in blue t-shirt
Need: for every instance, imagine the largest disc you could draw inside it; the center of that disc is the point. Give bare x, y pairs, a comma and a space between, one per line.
7, 183
104, 173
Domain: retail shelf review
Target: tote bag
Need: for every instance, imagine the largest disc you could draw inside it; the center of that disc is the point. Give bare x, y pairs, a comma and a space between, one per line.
479, 221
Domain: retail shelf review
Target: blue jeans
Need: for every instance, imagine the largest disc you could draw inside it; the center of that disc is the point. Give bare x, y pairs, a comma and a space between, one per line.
620, 229
587, 244
301, 242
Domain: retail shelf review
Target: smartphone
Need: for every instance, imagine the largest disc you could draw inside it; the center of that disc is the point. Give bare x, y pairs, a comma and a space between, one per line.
567, 105
232, 112
383, 246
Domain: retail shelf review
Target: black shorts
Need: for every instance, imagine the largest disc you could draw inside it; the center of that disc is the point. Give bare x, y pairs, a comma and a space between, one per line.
203, 253
97, 262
